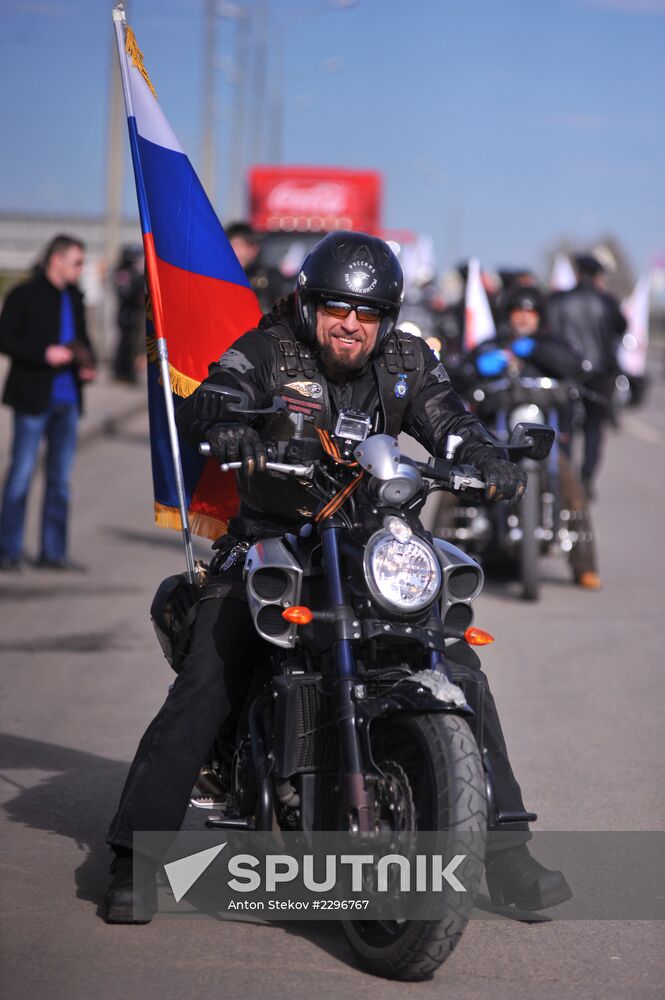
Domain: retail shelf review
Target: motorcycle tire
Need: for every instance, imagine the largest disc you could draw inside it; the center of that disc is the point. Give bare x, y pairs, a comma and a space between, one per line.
529, 510
439, 756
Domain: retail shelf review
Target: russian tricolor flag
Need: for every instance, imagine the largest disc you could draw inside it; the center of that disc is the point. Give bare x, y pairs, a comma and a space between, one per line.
199, 298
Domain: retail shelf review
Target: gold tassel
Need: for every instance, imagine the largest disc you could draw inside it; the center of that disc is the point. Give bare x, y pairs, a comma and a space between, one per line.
200, 524
182, 385
135, 54
207, 527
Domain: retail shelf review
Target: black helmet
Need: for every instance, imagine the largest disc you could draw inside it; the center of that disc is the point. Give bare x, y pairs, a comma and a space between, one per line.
525, 297
354, 267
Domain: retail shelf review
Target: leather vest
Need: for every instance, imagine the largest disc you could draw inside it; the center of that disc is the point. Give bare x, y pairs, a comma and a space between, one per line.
397, 375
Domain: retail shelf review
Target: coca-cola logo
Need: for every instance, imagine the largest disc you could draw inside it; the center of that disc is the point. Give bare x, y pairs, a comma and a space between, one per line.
289, 198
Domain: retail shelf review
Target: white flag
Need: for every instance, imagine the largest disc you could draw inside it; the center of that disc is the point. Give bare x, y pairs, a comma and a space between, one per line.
478, 319
632, 354
563, 277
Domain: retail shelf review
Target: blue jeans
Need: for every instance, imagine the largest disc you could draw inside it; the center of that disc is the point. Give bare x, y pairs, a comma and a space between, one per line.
58, 424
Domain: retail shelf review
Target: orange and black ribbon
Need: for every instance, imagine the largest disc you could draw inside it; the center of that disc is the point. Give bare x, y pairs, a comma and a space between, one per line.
331, 449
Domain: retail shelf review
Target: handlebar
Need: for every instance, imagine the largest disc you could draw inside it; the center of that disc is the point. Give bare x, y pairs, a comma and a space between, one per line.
457, 477
301, 471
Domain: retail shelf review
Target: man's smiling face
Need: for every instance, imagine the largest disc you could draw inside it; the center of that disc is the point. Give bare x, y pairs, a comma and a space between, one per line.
345, 343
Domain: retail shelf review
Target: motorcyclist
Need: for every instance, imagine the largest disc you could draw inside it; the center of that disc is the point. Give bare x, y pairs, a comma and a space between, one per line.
332, 345
524, 345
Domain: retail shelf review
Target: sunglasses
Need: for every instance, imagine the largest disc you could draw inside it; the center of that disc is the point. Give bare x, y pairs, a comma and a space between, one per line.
365, 314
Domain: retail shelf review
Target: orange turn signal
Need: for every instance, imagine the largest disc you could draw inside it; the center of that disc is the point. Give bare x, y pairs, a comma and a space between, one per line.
476, 637
298, 615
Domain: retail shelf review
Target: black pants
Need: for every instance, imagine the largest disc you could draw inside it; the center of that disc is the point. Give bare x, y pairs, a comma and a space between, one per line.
224, 652
596, 418
597, 415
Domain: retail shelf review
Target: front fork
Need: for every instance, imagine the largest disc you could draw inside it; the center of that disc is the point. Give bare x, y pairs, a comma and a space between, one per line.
358, 806
357, 802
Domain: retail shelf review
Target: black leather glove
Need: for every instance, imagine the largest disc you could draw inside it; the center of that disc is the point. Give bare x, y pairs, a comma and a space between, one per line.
503, 480
237, 443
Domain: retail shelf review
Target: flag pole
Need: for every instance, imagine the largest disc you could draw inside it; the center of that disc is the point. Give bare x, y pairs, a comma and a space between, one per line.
119, 24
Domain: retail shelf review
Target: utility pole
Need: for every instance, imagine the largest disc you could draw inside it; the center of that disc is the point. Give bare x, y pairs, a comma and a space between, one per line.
259, 78
234, 208
208, 129
277, 97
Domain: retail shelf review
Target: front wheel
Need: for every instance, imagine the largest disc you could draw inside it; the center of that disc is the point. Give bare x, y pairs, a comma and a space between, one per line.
437, 756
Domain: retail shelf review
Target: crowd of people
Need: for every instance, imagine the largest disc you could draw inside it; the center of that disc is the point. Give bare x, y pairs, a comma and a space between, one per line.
572, 335
586, 321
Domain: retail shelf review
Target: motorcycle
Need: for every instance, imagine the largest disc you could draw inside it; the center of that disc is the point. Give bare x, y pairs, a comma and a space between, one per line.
361, 723
542, 524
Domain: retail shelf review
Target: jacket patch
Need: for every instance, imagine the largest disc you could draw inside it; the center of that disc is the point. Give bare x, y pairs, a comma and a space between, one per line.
440, 373
235, 360
312, 390
302, 404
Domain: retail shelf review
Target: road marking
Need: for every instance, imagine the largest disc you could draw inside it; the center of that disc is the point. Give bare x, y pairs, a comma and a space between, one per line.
183, 873
639, 429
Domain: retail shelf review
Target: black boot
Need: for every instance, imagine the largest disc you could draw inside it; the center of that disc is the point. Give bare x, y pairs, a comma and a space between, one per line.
129, 900
513, 876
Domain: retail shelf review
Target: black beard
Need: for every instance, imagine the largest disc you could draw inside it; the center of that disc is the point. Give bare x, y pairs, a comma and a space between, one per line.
337, 368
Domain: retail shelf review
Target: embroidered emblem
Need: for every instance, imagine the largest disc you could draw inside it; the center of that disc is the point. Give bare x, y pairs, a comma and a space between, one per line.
311, 390
440, 373
401, 388
235, 361
361, 277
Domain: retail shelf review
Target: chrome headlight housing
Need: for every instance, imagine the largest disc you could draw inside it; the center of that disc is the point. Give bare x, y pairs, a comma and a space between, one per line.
404, 575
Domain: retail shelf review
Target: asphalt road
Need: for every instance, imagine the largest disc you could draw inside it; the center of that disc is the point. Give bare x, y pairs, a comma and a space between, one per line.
578, 680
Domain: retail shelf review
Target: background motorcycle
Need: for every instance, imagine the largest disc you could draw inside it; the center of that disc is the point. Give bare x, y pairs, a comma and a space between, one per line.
361, 722
541, 524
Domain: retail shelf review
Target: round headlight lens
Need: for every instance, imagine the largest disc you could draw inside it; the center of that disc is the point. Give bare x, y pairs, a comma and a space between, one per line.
398, 528
404, 575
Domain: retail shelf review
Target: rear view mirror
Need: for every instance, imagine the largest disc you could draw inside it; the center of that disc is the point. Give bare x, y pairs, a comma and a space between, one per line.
216, 402
532, 440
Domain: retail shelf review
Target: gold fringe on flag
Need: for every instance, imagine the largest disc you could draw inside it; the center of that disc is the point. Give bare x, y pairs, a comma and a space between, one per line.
135, 54
200, 524
181, 385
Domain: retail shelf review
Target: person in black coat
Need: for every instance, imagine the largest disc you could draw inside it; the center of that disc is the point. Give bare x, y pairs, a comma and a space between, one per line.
43, 330
129, 286
591, 323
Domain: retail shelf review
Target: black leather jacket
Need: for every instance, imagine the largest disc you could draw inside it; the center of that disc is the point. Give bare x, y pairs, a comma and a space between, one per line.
404, 388
591, 323
29, 323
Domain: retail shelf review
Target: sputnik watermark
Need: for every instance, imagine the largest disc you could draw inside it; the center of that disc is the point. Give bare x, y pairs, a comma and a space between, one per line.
615, 875
367, 873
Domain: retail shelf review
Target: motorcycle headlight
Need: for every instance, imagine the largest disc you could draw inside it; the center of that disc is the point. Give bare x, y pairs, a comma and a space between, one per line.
402, 575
